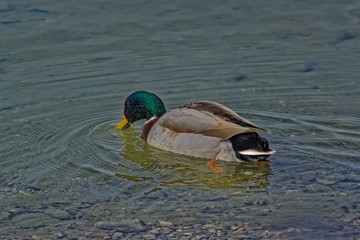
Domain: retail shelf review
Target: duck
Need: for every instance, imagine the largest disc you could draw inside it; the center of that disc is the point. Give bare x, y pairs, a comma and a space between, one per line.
203, 129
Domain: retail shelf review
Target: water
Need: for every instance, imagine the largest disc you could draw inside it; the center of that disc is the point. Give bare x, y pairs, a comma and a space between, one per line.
65, 70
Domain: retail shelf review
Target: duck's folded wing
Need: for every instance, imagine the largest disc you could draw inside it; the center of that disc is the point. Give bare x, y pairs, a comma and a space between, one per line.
188, 120
222, 112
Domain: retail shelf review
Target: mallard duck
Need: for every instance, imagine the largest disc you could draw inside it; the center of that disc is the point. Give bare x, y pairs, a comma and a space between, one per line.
201, 129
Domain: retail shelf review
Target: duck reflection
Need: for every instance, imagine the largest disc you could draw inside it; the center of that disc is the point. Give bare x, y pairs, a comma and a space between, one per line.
171, 169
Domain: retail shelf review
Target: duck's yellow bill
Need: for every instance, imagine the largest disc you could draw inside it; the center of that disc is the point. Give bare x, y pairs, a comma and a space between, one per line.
123, 124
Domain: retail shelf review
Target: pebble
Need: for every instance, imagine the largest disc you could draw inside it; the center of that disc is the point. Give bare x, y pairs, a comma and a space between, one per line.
208, 226
350, 218
123, 226
165, 223
35, 237
353, 177
117, 235
149, 236
96, 235
272, 234
260, 202
4, 216
58, 213
23, 188
291, 191
239, 231
330, 179
155, 231
187, 233
61, 235
318, 188
187, 227
234, 228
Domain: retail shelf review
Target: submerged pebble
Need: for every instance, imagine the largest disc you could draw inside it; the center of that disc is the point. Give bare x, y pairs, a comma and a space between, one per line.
123, 226
165, 223
329, 179
261, 202
353, 177
24, 187
351, 218
58, 213
149, 236
117, 235
318, 188
4, 216
61, 235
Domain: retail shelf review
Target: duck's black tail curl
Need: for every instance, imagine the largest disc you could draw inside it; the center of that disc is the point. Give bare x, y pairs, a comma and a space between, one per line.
250, 146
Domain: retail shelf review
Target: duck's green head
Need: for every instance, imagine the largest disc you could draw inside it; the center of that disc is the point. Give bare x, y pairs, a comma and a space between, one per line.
141, 105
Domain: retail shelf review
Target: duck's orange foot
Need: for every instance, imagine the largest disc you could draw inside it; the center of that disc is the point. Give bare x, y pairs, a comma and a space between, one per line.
212, 164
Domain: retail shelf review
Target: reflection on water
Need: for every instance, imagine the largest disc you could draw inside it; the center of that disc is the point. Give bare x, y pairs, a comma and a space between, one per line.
185, 170
64, 74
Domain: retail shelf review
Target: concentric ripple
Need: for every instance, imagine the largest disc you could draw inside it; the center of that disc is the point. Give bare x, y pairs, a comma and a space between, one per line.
291, 68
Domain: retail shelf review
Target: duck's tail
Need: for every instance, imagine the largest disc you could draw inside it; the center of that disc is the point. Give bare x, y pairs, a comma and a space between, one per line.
251, 147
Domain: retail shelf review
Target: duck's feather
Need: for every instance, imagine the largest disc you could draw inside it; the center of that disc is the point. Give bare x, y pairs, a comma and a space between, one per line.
222, 112
206, 118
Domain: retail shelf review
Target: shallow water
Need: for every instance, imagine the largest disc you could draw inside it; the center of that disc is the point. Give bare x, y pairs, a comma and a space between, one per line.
65, 70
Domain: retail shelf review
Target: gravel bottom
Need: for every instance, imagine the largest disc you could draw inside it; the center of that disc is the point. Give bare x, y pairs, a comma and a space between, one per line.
137, 229
164, 230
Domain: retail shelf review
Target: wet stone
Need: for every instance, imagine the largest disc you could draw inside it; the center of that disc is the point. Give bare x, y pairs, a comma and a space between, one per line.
149, 236
187, 233
234, 228
155, 231
183, 238
58, 214
24, 188
347, 187
61, 235
123, 226
96, 235
350, 218
240, 230
240, 77
209, 226
260, 202
32, 219
318, 188
330, 179
36, 237
4, 216
291, 191
165, 223
353, 177
117, 235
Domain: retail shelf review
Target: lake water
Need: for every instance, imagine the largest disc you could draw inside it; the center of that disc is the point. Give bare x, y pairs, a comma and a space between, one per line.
66, 68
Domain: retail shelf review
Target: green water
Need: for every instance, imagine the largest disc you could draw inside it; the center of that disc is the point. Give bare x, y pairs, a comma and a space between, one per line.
66, 68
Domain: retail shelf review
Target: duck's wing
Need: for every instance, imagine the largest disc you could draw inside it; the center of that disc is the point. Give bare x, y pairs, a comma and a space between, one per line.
192, 120
222, 112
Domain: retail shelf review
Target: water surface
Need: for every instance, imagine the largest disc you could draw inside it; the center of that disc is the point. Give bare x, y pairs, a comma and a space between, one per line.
65, 70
